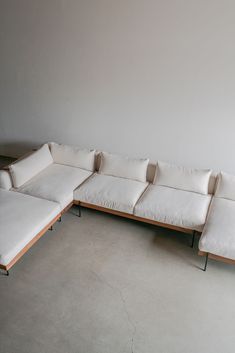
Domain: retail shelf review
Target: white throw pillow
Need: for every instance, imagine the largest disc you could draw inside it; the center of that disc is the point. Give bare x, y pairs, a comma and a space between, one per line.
226, 186
179, 177
124, 167
28, 167
73, 156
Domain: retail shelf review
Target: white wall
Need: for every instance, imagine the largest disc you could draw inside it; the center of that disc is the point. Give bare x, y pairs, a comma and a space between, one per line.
142, 77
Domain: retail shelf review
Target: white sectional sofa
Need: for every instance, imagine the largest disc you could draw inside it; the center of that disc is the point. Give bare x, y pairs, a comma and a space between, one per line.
50, 180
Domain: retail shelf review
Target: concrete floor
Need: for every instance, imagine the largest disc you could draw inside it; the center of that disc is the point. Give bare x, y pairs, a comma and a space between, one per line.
103, 284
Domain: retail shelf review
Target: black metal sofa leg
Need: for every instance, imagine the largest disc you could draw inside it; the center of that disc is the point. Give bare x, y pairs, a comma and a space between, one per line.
193, 238
5, 273
206, 262
79, 211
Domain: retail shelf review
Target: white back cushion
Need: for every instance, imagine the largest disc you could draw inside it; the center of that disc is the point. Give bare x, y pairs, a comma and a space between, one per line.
178, 177
124, 167
226, 186
27, 168
73, 156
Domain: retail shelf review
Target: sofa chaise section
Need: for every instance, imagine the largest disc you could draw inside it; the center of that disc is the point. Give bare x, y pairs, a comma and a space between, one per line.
178, 198
218, 237
117, 187
23, 220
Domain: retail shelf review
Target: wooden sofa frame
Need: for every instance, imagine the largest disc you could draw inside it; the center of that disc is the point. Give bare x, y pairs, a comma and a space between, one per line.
214, 257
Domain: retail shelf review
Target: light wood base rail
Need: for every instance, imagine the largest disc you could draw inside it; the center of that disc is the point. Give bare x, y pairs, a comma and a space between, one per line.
216, 257
131, 216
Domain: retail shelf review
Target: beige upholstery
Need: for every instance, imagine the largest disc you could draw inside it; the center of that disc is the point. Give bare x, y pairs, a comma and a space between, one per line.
218, 235
119, 194
182, 178
26, 168
73, 156
56, 183
22, 217
5, 180
172, 206
123, 167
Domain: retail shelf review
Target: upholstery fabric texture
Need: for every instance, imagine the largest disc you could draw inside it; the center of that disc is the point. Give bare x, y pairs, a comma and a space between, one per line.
116, 193
226, 186
22, 217
218, 236
179, 177
73, 156
27, 168
5, 180
123, 167
56, 183
172, 206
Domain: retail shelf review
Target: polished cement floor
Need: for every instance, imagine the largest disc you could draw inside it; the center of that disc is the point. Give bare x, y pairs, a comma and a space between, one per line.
103, 284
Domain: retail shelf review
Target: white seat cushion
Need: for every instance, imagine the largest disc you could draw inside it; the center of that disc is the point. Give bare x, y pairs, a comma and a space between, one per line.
171, 206
110, 192
218, 236
22, 217
56, 183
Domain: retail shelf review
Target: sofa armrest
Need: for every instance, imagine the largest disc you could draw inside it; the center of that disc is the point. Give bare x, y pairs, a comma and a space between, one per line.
5, 180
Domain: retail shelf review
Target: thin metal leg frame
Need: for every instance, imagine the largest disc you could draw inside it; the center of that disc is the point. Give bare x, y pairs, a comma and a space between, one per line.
206, 262
79, 211
193, 238
5, 273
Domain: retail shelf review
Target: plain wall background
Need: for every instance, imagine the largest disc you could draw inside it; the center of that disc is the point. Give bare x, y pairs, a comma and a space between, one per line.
151, 78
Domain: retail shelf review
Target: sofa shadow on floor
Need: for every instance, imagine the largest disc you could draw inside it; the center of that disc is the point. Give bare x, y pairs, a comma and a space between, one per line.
167, 241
